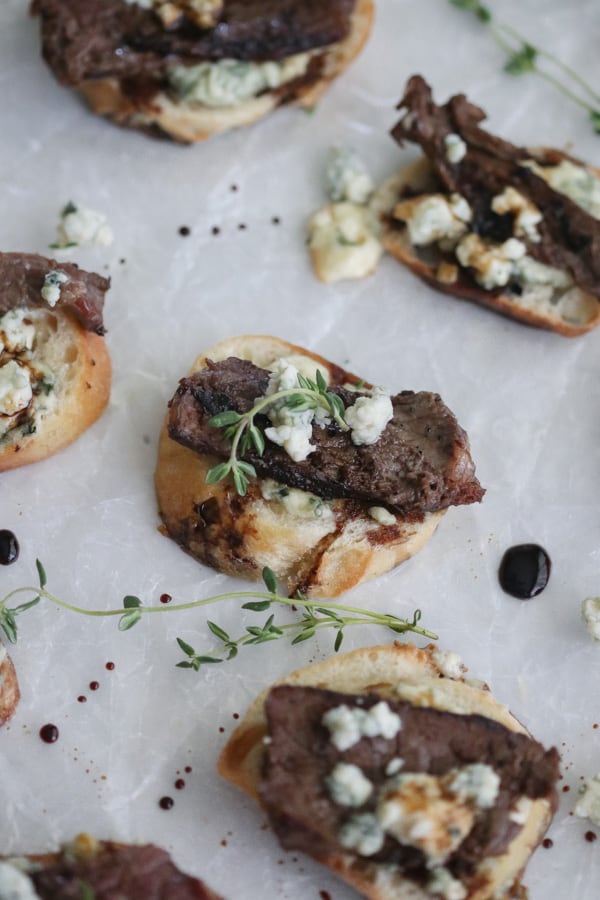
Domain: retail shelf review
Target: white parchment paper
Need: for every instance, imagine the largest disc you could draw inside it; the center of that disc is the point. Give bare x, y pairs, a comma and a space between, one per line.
528, 400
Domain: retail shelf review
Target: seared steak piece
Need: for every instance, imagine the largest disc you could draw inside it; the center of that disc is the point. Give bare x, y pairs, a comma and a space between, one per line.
421, 463
300, 755
569, 236
22, 279
84, 39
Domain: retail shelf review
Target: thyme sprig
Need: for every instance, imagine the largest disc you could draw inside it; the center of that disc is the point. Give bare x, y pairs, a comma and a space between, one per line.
244, 434
523, 56
315, 617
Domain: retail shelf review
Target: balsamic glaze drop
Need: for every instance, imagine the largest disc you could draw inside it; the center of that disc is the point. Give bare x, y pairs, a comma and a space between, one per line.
49, 733
524, 571
166, 803
9, 547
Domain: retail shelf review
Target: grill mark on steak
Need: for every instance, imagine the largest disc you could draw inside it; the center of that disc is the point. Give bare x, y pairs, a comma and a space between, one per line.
570, 236
300, 755
421, 463
22, 279
83, 40
113, 870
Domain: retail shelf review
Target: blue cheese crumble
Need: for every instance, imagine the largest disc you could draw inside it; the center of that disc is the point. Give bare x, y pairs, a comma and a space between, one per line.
347, 725
590, 613
348, 785
81, 225
456, 148
346, 177
363, 834
588, 805
53, 282
14, 884
368, 417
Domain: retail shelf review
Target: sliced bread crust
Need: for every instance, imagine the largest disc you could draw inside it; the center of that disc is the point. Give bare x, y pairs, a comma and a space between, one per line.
398, 672
79, 363
9, 687
322, 551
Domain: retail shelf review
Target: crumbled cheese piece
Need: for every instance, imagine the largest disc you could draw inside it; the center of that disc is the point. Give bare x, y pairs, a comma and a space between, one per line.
443, 883
382, 515
295, 502
449, 663
14, 884
52, 285
421, 810
447, 272
363, 834
455, 148
434, 217
348, 785
292, 429
579, 183
346, 177
229, 82
342, 242
348, 725
588, 805
590, 613
16, 334
530, 271
492, 263
368, 417
394, 766
477, 783
204, 13
526, 214
15, 388
520, 812
80, 225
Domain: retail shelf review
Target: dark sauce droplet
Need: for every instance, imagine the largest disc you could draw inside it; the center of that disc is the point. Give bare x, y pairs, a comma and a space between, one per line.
547, 843
110, 666
9, 547
185, 231
524, 571
49, 733
590, 836
82, 699
165, 598
180, 784
94, 685
166, 803
188, 769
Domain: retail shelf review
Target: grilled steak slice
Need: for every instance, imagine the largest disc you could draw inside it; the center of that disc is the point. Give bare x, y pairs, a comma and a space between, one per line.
22, 279
109, 871
300, 755
84, 39
421, 463
569, 236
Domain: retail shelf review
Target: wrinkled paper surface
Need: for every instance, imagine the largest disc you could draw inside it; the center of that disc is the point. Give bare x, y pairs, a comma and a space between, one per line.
528, 399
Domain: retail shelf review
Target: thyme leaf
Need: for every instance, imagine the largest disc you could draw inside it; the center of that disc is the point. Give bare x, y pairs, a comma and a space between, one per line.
315, 617
244, 434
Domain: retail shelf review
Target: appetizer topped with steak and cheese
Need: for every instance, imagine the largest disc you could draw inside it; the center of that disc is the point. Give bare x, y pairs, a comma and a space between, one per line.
55, 370
351, 481
513, 228
385, 765
192, 68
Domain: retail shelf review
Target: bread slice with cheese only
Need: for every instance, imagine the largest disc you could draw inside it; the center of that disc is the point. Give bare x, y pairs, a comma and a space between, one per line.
391, 769
295, 518
89, 869
55, 369
9, 687
192, 69
511, 228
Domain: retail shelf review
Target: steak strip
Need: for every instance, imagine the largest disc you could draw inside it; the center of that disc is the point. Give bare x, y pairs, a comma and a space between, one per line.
421, 463
84, 39
570, 236
22, 279
111, 871
300, 755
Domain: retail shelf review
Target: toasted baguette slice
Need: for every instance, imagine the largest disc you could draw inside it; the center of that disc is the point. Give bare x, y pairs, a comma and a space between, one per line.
103, 870
78, 368
400, 672
189, 123
570, 313
320, 549
9, 687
